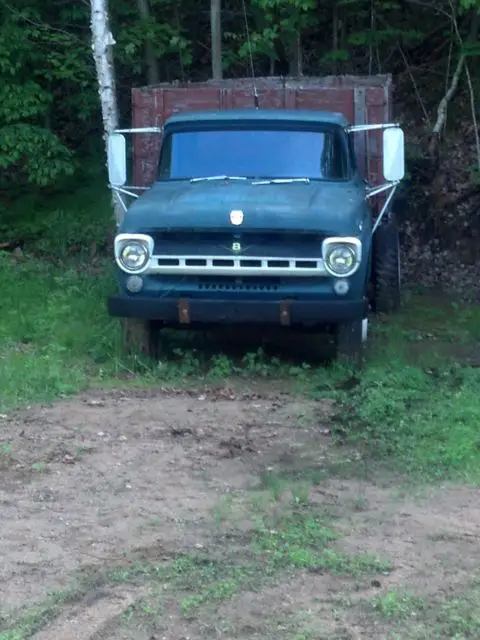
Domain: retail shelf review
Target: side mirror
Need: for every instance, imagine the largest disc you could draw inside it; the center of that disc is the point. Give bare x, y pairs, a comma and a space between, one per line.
393, 154
117, 159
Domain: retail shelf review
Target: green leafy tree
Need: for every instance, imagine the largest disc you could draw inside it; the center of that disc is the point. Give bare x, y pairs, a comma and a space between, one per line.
28, 146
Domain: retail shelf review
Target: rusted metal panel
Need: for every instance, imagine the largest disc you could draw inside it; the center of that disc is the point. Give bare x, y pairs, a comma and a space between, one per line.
272, 98
156, 105
340, 100
361, 99
147, 108
241, 99
360, 138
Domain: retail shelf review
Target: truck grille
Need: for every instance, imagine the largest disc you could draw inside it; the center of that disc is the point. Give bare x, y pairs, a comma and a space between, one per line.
249, 253
219, 265
277, 244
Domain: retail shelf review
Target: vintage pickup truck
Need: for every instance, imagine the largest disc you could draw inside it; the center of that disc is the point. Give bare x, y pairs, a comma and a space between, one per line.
269, 211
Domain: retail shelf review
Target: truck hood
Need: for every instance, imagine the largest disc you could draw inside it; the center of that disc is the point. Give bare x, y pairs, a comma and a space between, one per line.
334, 208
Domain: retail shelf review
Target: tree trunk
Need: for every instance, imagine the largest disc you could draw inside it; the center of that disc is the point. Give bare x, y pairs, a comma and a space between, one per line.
216, 37
434, 146
335, 31
102, 45
296, 55
153, 73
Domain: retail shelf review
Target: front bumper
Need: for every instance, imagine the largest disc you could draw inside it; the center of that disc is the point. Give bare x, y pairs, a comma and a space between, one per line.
198, 311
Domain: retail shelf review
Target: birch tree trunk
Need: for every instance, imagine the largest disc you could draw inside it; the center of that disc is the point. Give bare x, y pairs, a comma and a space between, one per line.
102, 46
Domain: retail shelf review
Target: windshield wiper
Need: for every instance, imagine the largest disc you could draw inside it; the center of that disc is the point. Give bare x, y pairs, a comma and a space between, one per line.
210, 178
282, 181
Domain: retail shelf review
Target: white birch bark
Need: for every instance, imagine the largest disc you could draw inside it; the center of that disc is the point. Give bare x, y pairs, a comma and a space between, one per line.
102, 46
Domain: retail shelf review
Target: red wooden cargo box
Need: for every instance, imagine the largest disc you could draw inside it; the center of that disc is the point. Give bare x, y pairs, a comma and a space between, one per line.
362, 99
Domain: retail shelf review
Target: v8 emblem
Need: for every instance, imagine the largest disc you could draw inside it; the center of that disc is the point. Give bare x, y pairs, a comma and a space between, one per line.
236, 246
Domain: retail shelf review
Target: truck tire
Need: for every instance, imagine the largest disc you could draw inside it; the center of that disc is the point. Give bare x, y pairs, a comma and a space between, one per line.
386, 269
349, 341
140, 337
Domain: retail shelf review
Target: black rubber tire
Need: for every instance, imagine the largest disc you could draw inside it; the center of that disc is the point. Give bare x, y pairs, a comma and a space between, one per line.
348, 343
140, 337
386, 274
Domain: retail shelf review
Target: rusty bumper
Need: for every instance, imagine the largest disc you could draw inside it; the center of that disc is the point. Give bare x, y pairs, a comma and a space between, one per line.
198, 311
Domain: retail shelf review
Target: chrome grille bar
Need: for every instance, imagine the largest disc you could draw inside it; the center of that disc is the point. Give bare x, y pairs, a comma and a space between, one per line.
236, 266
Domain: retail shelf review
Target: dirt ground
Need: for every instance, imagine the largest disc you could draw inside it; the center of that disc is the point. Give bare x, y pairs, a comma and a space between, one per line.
113, 477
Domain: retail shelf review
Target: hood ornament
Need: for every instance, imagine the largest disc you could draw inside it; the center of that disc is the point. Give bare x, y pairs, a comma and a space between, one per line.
236, 217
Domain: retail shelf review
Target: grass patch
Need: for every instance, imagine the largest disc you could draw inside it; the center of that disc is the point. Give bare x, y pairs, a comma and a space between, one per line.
298, 538
420, 411
426, 425
301, 540
398, 605
32, 619
56, 338
459, 617
415, 618
48, 349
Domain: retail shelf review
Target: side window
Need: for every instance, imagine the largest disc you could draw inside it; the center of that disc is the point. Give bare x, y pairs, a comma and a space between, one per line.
340, 159
351, 150
334, 161
164, 167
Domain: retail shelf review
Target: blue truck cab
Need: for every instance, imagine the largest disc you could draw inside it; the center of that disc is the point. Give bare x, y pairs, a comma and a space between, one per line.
256, 216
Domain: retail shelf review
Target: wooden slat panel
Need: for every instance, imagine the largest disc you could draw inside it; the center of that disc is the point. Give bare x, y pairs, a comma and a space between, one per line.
344, 94
339, 100
153, 108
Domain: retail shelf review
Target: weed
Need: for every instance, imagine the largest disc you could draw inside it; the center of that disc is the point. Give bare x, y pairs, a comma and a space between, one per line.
35, 618
300, 540
305, 634
223, 510
459, 618
456, 617
359, 504
396, 605
215, 592
5, 450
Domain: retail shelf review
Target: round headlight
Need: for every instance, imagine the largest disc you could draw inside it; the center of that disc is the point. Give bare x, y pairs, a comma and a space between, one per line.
134, 256
341, 259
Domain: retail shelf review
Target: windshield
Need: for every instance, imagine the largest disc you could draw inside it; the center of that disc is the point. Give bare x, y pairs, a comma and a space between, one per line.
316, 155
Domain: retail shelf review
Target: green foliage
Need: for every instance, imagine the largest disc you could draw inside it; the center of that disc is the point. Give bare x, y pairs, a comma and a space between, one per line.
22, 101
36, 151
49, 108
62, 228
165, 40
30, 150
467, 5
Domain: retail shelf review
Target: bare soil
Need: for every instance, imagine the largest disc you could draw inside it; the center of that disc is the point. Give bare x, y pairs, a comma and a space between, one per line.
112, 477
